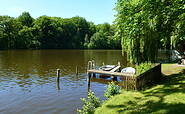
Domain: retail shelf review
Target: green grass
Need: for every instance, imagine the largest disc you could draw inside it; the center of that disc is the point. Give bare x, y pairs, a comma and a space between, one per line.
166, 97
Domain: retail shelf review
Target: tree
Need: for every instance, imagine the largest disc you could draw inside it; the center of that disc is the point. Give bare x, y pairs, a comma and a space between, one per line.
105, 27
145, 26
86, 41
9, 32
104, 38
98, 41
178, 34
27, 39
46, 32
81, 29
26, 19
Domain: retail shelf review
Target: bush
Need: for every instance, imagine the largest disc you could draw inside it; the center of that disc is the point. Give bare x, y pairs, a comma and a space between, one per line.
143, 67
112, 89
90, 103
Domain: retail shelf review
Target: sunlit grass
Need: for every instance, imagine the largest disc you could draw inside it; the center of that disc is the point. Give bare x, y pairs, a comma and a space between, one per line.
167, 96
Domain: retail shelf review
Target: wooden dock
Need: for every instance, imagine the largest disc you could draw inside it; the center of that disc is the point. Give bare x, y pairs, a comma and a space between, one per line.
129, 81
108, 73
113, 73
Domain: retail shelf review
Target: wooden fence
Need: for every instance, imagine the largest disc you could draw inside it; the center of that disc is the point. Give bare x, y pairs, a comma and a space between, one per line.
136, 83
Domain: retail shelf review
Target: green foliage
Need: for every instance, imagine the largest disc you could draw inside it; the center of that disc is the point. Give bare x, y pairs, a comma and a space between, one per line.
111, 90
86, 41
104, 38
26, 19
90, 103
47, 32
143, 67
178, 35
98, 41
147, 25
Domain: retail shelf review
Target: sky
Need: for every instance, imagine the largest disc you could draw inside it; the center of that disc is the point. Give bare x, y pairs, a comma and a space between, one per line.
96, 11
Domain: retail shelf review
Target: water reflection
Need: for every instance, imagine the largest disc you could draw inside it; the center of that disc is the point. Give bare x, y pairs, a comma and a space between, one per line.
28, 79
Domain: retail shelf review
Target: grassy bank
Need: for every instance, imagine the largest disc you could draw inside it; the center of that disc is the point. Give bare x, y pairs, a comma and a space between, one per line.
167, 96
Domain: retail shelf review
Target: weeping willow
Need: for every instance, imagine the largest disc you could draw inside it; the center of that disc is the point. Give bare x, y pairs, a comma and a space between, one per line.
137, 26
178, 35
147, 25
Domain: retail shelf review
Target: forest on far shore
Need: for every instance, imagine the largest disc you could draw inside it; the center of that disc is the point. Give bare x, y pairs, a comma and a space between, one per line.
25, 32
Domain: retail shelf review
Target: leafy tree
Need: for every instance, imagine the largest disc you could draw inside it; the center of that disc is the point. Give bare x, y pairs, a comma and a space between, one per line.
104, 38
92, 29
98, 41
81, 29
47, 32
105, 27
86, 41
178, 34
27, 39
147, 25
26, 19
9, 32
3, 36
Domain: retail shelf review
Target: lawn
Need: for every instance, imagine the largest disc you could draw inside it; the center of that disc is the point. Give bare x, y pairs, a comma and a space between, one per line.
166, 96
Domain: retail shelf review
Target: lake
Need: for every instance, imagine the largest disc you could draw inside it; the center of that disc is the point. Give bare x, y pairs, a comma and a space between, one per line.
28, 79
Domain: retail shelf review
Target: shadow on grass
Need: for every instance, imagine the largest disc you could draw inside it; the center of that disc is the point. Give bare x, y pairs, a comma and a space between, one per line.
167, 96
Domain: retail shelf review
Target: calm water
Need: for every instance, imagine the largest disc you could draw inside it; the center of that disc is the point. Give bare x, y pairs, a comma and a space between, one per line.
28, 79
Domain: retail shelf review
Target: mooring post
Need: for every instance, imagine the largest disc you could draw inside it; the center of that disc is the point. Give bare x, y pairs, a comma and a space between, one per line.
93, 64
94, 74
88, 89
114, 78
76, 70
58, 75
88, 79
58, 79
58, 85
119, 64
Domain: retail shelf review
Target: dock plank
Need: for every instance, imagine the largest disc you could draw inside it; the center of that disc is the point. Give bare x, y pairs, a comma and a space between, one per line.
109, 73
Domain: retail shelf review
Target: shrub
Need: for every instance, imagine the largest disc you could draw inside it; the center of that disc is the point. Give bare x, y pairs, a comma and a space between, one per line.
143, 67
90, 103
112, 89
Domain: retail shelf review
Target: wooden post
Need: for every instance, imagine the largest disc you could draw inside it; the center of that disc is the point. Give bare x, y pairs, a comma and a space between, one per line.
126, 83
88, 89
58, 75
58, 85
76, 70
114, 78
119, 64
90, 65
94, 74
93, 64
88, 79
58, 79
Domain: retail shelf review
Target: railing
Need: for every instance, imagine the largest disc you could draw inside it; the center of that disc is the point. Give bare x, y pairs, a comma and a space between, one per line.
91, 65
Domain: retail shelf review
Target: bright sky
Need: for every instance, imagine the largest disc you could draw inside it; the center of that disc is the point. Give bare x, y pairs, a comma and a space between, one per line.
97, 11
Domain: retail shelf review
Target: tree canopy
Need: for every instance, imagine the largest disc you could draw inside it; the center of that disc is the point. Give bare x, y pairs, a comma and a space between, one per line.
147, 25
47, 32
